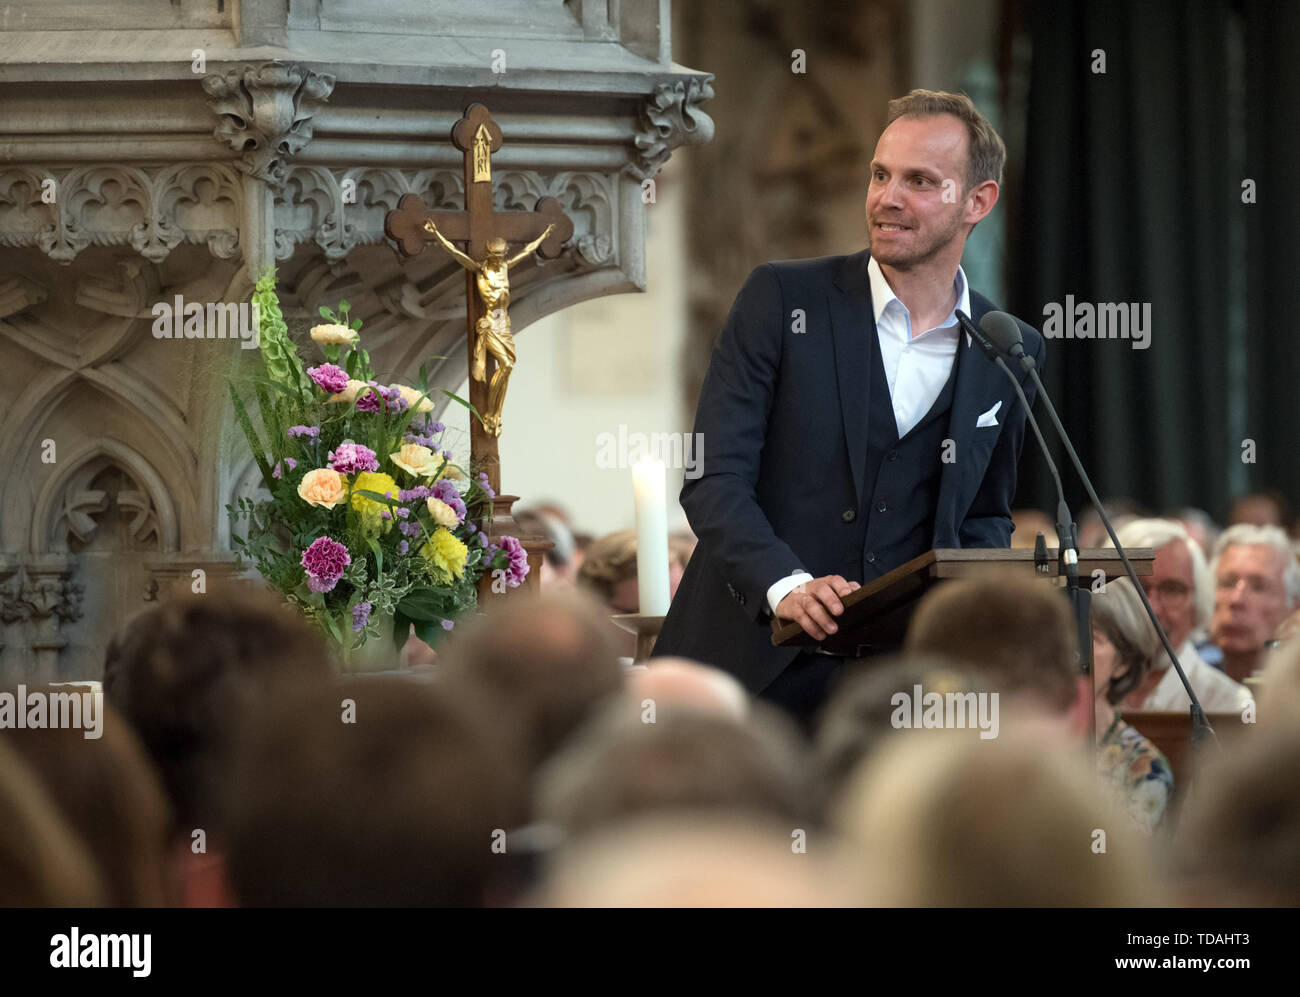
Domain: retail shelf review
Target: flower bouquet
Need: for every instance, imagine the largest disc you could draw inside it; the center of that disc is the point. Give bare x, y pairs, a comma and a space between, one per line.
371, 524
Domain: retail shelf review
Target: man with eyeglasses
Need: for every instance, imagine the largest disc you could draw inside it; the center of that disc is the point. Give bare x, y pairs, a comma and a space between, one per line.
1180, 589
1257, 585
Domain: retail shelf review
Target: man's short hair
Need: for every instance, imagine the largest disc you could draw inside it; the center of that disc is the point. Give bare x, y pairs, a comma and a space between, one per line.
987, 154
1017, 632
1246, 534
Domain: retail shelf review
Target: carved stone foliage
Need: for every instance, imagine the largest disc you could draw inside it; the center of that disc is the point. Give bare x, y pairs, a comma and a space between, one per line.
151, 209
339, 210
34, 596
670, 117
265, 114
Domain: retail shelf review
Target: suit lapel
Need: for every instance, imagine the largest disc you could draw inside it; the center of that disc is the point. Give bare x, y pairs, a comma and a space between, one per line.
978, 381
852, 321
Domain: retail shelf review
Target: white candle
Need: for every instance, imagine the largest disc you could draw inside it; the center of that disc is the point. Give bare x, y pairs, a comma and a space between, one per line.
651, 536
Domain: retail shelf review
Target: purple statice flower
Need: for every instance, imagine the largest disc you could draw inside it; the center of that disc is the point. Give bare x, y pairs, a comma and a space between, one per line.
289, 463
403, 513
325, 560
385, 514
329, 378
516, 560
360, 614
409, 529
472, 528
447, 624
417, 494
350, 458
447, 492
390, 398
403, 547
311, 432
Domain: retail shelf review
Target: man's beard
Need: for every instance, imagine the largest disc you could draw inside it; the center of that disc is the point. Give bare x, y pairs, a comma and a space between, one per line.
918, 255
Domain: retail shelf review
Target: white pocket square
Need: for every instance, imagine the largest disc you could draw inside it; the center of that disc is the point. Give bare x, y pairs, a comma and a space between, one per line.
989, 418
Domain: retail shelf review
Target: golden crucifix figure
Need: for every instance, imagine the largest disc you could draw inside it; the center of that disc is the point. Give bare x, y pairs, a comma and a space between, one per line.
492, 275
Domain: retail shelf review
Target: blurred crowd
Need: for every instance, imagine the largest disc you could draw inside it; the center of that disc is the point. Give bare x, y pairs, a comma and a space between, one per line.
531, 763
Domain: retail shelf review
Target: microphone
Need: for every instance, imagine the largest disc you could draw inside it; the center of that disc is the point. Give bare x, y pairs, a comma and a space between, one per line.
1004, 332
1068, 548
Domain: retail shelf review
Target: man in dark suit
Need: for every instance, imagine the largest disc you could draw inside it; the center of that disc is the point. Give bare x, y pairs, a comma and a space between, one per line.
848, 423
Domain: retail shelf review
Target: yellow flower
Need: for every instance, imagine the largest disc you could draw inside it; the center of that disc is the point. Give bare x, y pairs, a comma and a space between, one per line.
333, 335
412, 396
441, 513
451, 472
323, 487
348, 394
445, 552
417, 460
371, 510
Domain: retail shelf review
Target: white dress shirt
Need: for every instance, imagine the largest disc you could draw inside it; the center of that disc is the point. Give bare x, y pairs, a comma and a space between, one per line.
1217, 692
916, 366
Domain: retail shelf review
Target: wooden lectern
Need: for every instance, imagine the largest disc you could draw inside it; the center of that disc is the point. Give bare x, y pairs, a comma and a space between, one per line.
875, 617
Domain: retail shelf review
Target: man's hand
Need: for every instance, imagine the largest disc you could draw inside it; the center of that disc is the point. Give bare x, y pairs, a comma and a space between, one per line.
813, 603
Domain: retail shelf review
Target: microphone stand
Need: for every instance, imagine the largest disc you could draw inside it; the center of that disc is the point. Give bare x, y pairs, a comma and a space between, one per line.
1202, 732
1068, 550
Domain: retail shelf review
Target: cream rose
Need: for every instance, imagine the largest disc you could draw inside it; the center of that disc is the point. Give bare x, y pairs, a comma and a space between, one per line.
324, 487
348, 394
411, 396
416, 459
333, 335
442, 513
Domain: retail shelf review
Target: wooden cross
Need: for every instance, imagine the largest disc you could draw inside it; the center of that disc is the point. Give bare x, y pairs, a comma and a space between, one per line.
478, 136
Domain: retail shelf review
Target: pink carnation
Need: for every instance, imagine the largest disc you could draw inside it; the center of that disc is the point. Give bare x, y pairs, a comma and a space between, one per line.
351, 458
325, 560
329, 378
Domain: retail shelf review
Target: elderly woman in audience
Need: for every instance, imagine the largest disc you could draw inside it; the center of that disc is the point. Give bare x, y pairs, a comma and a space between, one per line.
1124, 643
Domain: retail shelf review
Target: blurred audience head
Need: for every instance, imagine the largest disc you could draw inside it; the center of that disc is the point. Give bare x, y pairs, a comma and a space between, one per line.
609, 571
375, 792
1180, 586
1092, 531
673, 682
1124, 643
631, 761
1027, 524
950, 821
43, 863
1266, 508
1017, 634
1257, 585
185, 672
548, 522
864, 712
1200, 527
669, 860
546, 661
108, 793
1239, 841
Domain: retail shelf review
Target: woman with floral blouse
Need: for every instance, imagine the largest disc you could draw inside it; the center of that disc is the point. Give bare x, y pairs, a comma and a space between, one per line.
1132, 769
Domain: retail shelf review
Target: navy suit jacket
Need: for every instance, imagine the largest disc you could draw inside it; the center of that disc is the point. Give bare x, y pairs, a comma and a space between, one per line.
783, 417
